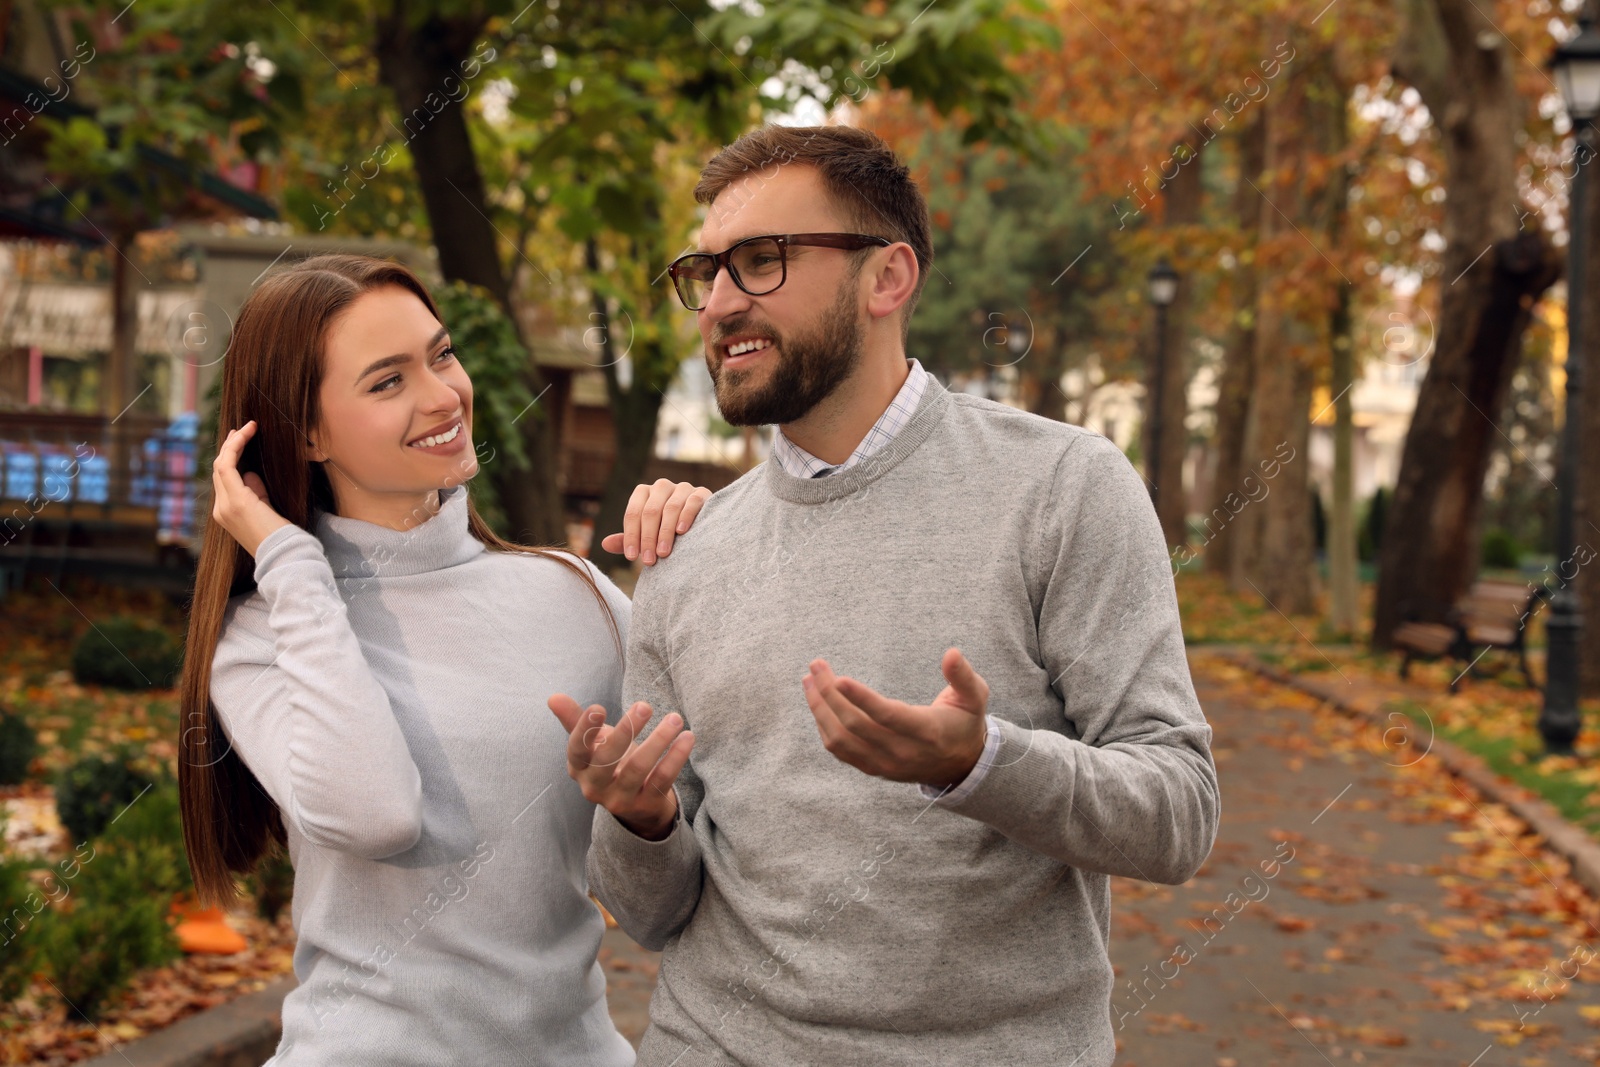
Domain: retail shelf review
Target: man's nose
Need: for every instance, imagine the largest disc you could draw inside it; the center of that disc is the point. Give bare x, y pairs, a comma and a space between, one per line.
724, 298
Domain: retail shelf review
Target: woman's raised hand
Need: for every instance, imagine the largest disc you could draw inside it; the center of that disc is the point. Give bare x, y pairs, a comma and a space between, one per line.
238, 502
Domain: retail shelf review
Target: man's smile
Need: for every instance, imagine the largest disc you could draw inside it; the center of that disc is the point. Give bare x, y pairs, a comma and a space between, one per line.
745, 350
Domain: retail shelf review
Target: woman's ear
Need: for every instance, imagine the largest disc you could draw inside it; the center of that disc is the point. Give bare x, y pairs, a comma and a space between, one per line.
313, 451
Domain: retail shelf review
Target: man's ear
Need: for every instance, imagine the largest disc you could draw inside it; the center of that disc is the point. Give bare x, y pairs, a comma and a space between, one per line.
894, 281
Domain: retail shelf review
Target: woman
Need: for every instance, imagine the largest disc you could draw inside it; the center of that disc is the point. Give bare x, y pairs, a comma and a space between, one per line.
366, 680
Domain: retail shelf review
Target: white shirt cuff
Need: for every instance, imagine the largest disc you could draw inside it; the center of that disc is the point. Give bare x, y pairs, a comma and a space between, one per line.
974, 778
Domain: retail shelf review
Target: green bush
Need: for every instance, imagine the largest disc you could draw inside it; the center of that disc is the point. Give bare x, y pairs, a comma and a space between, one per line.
109, 927
109, 916
1500, 550
125, 653
18, 745
487, 345
94, 790
153, 828
20, 903
272, 884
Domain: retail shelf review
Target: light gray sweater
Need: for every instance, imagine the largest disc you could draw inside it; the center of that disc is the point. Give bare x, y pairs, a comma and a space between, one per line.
388, 690
811, 914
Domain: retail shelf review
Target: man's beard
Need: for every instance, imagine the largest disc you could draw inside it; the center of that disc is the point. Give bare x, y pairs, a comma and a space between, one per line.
810, 367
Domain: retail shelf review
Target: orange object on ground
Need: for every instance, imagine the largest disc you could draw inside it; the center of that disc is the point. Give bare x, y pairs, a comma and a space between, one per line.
205, 931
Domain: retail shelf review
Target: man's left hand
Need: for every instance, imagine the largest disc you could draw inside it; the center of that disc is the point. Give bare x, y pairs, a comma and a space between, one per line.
936, 744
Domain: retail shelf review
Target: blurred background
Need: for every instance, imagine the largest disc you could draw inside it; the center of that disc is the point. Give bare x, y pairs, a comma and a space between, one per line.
1310, 266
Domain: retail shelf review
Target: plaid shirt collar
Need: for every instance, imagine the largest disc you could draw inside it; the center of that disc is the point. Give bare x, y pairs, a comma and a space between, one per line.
796, 461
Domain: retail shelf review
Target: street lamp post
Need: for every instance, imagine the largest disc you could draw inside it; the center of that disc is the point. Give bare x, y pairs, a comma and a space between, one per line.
1163, 283
1576, 65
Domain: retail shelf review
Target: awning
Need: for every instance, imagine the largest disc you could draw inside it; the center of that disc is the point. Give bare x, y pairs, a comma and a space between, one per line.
73, 320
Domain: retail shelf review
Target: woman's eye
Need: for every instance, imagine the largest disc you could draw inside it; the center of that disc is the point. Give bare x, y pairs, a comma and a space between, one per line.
392, 379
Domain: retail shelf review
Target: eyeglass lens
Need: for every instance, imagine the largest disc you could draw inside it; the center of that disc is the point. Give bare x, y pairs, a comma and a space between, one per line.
757, 267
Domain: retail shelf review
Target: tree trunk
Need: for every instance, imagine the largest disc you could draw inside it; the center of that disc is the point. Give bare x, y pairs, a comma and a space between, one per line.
121, 366
116, 386
1182, 208
1276, 550
1047, 399
1343, 575
1277, 526
635, 413
1238, 368
1039, 375
1333, 127
1452, 54
415, 57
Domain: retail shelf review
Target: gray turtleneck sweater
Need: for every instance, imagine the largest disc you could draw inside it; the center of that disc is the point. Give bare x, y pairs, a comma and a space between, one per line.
388, 690
811, 914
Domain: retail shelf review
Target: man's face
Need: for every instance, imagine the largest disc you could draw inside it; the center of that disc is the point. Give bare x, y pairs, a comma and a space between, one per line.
793, 346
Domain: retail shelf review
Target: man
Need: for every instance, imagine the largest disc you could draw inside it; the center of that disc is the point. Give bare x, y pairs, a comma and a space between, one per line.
931, 658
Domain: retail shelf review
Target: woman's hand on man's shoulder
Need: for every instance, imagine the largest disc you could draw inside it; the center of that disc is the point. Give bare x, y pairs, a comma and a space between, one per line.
656, 515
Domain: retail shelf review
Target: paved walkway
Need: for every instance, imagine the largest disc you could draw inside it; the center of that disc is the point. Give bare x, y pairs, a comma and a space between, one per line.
1380, 912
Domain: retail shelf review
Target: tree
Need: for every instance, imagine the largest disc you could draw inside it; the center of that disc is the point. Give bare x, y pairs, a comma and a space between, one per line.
132, 154
1460, 63
1304, 131
1167, 376
422, 49
613, 85
1343, 560
999, 301
1180, 136
599, 105
825, 52
1238, 363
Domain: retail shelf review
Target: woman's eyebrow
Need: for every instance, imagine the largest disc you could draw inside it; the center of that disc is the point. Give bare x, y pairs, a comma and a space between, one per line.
402, 357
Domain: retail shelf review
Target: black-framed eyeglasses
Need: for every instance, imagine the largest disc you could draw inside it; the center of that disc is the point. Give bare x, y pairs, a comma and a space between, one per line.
758, 265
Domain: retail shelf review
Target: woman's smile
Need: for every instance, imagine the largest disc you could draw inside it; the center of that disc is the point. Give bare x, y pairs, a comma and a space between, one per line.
442, 440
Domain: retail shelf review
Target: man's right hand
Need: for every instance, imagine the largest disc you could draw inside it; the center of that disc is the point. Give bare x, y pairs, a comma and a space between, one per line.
630, 778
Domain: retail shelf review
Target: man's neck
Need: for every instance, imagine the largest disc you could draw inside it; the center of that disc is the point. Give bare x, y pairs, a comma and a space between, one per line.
832, 430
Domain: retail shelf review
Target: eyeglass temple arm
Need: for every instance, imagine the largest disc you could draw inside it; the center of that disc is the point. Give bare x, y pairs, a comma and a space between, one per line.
837, 240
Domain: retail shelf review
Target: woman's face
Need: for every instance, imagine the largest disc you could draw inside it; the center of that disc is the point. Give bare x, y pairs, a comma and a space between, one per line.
396, 407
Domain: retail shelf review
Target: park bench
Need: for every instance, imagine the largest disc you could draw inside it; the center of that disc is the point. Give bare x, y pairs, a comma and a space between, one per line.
1492, 614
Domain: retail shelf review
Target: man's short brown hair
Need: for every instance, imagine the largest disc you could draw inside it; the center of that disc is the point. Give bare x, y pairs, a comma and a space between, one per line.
860, 172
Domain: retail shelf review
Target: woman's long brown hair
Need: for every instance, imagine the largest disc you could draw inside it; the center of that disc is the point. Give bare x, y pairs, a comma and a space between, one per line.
272, 374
